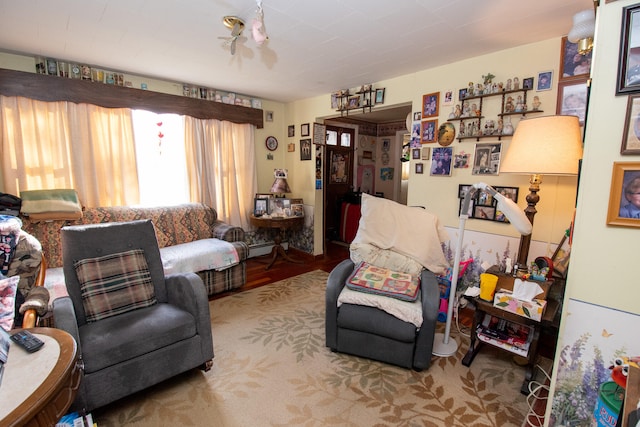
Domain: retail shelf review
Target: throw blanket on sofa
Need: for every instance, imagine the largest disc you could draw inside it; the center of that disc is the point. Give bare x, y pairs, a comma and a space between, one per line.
44, 205
200, 255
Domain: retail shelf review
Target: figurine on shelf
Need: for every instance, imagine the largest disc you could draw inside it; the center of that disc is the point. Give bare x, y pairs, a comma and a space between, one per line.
479, 88
461, 133
487, 78
452, 114
508, 84
507, 127
536, 103
470, 90
458, 112
499, 127
509, 106
519, 106
500, 87
516, 83
466, 111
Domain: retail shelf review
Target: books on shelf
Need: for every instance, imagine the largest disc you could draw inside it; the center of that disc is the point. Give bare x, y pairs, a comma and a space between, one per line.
509, 336
73, 419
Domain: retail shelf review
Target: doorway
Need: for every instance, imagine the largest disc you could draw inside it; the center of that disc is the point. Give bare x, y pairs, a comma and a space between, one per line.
338, 172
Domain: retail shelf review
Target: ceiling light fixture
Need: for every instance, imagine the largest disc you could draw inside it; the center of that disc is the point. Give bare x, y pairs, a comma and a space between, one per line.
584, 26
236, 25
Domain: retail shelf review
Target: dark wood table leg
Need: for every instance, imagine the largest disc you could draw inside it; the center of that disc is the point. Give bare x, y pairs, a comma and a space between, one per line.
278, 249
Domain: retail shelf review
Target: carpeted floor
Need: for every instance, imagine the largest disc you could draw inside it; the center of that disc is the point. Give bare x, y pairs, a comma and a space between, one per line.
271, 368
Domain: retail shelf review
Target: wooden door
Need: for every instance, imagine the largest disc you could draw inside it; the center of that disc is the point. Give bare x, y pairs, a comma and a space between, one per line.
338, 172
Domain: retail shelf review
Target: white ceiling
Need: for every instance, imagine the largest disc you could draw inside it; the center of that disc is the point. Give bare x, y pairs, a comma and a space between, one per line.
314, 47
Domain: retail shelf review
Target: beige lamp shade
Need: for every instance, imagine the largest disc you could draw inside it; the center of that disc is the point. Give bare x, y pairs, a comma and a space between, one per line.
549, 145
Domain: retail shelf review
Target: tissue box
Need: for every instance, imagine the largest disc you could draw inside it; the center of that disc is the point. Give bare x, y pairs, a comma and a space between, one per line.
530, 309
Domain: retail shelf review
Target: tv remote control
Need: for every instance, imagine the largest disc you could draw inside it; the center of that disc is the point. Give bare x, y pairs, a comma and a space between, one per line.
27, 340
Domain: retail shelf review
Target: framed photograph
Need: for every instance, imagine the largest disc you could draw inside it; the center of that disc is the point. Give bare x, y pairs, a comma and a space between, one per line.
380, 96
291, 147
629, 59
419, 167
268, 116
572, 64
264, 195
335, 101
447, 97
572, 98
354, 102
297, 209
260, 206
631, 136
463, 189
624, 197
430, 105
305, 149
291, 131
426, 153
462, 94
527, 83
484, 212
461, 161
304, 129
441, 161
338, 168
487, 159
545, 79
508, 192
428, 131
417, 116
415, 153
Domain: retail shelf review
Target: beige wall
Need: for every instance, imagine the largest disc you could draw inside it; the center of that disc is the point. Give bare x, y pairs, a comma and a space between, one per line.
439, 194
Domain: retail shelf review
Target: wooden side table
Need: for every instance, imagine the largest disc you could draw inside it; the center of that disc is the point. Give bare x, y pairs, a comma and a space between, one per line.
278, 225
37, 389
484, 307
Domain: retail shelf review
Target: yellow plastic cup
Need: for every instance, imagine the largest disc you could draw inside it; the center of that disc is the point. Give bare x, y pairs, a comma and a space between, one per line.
488, 284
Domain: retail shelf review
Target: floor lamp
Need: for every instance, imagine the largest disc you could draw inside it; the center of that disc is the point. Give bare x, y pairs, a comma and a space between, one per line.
549, 145
443, 345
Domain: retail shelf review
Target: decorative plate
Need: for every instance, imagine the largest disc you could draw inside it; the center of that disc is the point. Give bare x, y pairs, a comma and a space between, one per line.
446, 134
272, 143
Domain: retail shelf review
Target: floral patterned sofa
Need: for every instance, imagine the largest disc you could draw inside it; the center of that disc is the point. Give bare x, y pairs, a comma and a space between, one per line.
180, 231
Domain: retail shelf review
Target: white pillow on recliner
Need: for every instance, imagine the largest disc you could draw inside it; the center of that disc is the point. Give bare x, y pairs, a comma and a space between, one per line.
409, 231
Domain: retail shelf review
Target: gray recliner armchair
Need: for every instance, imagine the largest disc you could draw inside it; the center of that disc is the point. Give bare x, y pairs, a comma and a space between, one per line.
375, 334
128, 346
402, 239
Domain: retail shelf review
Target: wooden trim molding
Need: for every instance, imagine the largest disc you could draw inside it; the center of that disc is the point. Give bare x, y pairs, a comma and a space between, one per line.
51, 88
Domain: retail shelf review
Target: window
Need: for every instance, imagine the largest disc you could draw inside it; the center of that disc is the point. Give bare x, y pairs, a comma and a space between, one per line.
160, 157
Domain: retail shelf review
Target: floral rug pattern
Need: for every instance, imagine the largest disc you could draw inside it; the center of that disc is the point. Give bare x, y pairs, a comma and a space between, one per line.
271, 368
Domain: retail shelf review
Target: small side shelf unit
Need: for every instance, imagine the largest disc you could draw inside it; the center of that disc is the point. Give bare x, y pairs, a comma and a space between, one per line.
362, 99
471, 119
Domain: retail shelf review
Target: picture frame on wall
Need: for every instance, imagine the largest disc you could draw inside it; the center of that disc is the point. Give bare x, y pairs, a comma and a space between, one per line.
291, 131
305, 149
430, 105
428, 131
572, 63
545, 80
629, 58
419, 168
304, 129
487, 159
624, 196
572, 98
631, 135
379, 96
441, 161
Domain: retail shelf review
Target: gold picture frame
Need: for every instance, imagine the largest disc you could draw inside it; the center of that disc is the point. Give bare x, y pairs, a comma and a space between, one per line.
625, 187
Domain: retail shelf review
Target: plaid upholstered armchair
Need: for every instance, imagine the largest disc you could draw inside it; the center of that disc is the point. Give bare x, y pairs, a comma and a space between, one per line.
134, 326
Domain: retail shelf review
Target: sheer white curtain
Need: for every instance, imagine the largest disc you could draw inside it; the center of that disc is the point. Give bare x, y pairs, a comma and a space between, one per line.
222, 167
47, 145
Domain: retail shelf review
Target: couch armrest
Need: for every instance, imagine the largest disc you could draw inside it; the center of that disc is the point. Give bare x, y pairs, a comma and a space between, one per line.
336, 281
430, 305
230, 233
64, 317
188, 292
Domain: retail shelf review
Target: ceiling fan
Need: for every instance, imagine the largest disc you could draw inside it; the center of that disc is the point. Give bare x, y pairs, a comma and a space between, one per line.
236, 25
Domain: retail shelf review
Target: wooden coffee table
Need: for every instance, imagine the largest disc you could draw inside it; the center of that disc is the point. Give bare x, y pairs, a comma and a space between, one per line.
37, 389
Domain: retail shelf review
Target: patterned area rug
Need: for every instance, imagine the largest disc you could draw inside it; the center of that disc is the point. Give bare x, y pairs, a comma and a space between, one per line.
271, 368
